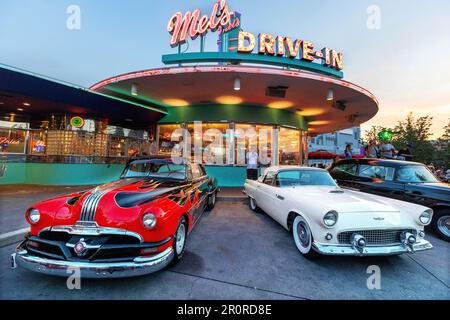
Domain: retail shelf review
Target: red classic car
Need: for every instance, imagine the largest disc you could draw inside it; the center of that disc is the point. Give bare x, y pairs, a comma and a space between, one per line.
133, 226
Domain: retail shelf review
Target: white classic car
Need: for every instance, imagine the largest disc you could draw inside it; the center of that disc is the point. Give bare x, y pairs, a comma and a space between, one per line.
329, 220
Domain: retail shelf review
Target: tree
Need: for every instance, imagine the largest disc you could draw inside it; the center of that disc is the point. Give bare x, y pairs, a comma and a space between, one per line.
415, 131
372, 134
442, 149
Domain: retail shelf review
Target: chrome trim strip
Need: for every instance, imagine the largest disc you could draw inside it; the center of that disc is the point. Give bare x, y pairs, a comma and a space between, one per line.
95, 231
139, 266
349, 250
90, 205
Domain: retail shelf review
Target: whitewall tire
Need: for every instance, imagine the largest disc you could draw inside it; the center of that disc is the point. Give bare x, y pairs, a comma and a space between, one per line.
252, 204
179, 241
303, 237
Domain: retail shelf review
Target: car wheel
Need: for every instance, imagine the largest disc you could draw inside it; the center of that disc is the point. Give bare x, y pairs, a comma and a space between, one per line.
179, 241
211, 201
303, 238
252, 204
441, 223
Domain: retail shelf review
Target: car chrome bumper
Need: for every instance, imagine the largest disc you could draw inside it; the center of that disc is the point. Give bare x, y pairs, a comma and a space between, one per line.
139, 266
349, 250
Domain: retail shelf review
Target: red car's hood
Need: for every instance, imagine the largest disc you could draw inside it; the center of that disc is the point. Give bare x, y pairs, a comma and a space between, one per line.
121, 202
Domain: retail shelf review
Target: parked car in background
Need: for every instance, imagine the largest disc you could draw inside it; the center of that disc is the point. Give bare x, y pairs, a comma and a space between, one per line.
402, 180
132, 226
326, 219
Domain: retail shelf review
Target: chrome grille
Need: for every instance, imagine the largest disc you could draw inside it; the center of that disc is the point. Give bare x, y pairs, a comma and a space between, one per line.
375, 237
90, 205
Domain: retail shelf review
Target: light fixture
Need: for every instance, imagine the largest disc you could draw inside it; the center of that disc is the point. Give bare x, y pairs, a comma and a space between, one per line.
128, 120
175, 102
330, 95
309, 112
19, 109
229, 100
280, 104
26, 104
319, 123
237, 84
134, 89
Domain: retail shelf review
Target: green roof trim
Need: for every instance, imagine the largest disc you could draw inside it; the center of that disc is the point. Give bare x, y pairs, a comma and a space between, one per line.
235, 57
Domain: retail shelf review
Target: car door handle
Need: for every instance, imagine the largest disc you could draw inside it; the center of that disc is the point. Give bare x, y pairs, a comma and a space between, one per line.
280, 197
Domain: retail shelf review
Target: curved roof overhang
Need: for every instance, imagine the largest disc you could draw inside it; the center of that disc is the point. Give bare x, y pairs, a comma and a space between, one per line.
305, 92
29, 97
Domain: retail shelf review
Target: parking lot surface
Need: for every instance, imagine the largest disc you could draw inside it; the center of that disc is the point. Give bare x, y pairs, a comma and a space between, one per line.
234, 253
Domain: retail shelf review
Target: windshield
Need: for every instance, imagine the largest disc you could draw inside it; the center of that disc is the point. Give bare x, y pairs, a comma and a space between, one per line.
294, 178
154, 169
415, 174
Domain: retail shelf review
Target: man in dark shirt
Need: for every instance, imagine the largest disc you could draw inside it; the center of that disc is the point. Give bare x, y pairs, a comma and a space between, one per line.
406, 153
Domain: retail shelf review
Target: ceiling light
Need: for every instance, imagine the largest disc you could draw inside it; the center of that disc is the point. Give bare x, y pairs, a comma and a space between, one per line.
237, 84
19, 109
330, 95
229, 100
280, 104
319, 123
175, 102
134, 89
311, 112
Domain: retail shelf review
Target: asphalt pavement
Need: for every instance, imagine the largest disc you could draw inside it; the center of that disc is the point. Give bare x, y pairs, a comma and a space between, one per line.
234, 253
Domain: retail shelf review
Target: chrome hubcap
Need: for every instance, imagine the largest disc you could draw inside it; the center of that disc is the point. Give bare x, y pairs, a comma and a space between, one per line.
303, 234
213, 199
443, 225
252, 203
181, 236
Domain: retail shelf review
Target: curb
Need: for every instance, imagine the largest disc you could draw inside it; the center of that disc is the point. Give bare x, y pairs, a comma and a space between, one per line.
13, 236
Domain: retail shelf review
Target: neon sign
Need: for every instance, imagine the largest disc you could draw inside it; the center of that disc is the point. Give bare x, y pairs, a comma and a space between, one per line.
224, 21
5, 140
77, 122
285, 46
221, 19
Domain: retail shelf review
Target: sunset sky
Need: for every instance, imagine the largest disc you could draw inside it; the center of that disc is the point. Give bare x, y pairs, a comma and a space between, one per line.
405, 63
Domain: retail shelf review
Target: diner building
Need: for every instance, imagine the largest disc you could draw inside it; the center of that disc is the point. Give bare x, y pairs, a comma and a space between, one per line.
57, 133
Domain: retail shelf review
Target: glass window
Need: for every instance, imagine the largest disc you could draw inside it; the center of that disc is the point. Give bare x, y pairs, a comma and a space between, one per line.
12, 140
348, 168
269, 178
155, 169
262, 139
165, 137
38, 142
289, 146
196, 171
213, 142
415, 174
374, 172
294, 178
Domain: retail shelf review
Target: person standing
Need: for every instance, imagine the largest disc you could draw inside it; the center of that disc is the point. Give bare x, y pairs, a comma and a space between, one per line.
252, 164
372, 150
406, 153
387, 150
348, 152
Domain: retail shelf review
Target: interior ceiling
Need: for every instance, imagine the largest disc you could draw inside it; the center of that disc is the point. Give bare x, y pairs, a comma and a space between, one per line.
21, 108
306, 92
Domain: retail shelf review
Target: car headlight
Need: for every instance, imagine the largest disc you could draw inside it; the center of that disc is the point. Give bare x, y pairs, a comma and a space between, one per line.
149, 220
425, 217
330, 218
34, 215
